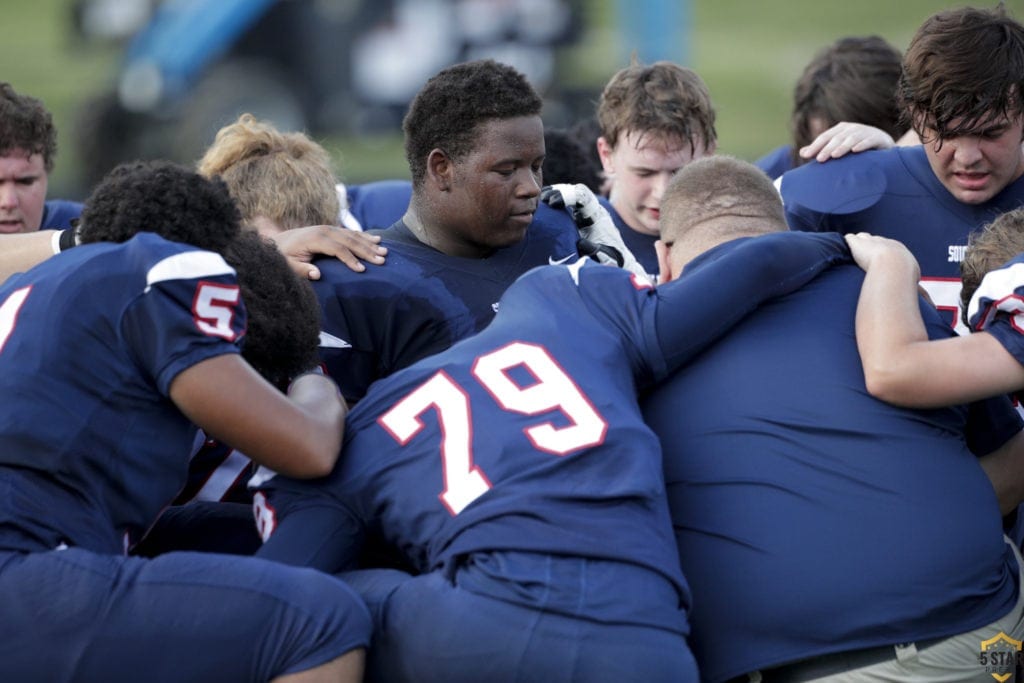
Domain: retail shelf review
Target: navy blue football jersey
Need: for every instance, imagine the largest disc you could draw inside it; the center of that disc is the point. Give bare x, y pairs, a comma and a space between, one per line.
421, 301
528, 436
376, 205
58, 214
813, 518
91, 446
894, 193
777, 161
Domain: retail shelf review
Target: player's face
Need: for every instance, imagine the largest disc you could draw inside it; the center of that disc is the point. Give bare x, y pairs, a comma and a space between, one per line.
495, 188
640, 167
975, 168
23, 184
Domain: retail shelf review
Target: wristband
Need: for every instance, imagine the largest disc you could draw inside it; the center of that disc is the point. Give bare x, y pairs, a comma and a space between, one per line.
68, 239
62, 240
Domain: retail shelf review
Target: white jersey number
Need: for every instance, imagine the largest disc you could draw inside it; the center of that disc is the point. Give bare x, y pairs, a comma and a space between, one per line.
945, 294
214, 308
9, 313
553, 389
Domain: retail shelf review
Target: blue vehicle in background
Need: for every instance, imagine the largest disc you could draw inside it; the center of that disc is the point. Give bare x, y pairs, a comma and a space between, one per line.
323, 66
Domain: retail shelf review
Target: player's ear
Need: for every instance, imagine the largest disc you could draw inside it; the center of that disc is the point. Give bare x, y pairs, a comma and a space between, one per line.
440, 169
604, 151
664, 270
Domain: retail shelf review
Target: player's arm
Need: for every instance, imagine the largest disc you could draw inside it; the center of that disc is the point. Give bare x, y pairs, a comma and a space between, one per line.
21, 251
298, 434
901, 364
714, 294
846, 137
301, 245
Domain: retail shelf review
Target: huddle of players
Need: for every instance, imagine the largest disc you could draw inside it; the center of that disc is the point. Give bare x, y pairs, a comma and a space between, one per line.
500, 469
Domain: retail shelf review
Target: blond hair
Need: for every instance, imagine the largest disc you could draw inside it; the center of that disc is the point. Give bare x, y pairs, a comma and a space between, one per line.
285, 177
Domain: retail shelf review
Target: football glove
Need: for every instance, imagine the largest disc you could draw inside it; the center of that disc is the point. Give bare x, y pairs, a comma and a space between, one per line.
599, 238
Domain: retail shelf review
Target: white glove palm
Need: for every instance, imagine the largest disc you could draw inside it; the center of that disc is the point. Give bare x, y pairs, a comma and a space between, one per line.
599, 238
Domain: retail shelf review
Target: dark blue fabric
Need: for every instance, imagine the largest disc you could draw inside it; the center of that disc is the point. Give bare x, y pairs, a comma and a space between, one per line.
894, 193
58, 214
379, 204
640, 243
527, 436
421, 301
91, 447
74, 615
777, 161
812, 518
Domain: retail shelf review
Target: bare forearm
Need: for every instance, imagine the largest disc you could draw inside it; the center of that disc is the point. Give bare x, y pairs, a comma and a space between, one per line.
889, 322
298, 435
21, 251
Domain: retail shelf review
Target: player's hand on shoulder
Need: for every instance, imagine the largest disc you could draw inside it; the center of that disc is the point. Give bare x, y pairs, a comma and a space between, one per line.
599, 238
871, 250
301, 245
846, 137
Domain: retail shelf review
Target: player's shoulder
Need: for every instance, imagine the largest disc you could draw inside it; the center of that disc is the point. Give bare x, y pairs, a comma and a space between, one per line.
164, 259
551, 224
853, 183
777, 161
583, 278
380, 203
58, 214
147, 255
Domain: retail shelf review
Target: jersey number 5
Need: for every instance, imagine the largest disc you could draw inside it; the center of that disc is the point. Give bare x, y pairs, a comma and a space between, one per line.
464, 482
213, 310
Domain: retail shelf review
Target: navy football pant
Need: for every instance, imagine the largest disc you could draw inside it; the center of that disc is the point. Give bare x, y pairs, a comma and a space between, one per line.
434, 628
77, 615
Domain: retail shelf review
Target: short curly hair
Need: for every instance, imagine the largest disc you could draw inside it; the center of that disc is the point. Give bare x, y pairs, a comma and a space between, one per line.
449, 110
283, 176
962, 67
283, 330
662, 99
987, 249
26, 124
164, 198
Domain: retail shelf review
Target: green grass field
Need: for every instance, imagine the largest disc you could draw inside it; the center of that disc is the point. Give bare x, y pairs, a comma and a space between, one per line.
750, 52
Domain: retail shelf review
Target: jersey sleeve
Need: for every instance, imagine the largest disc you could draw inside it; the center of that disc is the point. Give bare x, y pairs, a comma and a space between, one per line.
374, 327
190, 310
727, 285
818, 196
997, 307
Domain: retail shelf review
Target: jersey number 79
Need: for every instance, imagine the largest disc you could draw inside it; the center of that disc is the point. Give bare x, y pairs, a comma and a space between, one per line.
553, 389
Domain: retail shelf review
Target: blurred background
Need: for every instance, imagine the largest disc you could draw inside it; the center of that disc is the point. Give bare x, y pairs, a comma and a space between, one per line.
144, 78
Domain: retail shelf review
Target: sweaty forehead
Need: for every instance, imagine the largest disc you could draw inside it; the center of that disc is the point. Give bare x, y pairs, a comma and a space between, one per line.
519, 138
18, 162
